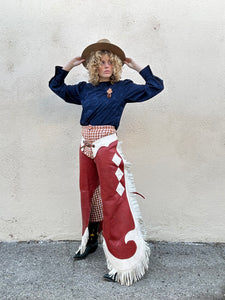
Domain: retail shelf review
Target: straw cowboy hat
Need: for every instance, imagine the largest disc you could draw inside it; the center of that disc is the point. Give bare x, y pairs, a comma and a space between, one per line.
103, 44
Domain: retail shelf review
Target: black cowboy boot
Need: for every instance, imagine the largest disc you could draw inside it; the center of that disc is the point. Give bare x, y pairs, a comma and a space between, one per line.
109, 277
92, 243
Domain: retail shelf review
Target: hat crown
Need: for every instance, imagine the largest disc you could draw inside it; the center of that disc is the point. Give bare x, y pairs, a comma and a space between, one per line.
104, 41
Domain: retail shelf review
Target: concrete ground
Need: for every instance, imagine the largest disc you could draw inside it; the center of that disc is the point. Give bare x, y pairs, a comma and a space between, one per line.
46, 270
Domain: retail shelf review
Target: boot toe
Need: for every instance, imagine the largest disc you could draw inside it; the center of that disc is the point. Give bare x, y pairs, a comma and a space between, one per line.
89, 249
109, 277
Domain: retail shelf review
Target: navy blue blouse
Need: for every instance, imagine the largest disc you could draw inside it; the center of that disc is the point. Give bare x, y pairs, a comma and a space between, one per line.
98, 109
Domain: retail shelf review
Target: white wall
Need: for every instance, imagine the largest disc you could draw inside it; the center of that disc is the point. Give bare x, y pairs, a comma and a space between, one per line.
175, 141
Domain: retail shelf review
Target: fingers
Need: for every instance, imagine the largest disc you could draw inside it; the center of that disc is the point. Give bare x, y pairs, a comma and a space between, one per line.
77, 60
127, 60
132, 64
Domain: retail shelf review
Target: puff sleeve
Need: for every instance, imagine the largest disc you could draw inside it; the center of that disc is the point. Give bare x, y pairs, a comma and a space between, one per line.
69, 93
142, 92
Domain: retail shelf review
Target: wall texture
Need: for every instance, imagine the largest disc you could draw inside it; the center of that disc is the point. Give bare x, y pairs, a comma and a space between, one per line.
175, 141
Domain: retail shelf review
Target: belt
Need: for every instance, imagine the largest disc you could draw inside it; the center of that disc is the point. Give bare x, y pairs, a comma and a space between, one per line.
87, 144
102, 142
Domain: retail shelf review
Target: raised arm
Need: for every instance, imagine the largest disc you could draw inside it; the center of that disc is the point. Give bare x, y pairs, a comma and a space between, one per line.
69, 93
76, 61
142, 92
132, 64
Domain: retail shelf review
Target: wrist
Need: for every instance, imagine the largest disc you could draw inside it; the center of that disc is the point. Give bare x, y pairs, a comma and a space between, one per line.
67, 68
137, 68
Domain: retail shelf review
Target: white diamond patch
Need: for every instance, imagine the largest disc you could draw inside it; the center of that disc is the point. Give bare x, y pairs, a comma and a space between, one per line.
116, 159
120, 189
119, 174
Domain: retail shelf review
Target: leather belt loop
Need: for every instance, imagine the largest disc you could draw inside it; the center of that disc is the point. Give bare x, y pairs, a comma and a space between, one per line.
87, 144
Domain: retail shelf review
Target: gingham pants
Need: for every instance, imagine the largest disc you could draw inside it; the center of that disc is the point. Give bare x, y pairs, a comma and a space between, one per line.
91, 134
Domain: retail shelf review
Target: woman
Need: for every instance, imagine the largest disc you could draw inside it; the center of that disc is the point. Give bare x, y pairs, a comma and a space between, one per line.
107, 190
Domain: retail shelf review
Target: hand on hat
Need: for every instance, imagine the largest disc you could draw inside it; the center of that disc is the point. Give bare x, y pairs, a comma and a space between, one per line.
73, 63
131, 64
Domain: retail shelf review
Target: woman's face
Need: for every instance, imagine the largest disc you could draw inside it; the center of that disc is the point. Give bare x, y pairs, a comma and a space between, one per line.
105, 69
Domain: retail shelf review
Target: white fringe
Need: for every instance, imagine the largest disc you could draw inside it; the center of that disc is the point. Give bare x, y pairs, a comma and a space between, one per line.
132, 273
130, 270
84, 241
131, 190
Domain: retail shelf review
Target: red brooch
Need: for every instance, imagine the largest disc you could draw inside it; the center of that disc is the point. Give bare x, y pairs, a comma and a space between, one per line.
109, 93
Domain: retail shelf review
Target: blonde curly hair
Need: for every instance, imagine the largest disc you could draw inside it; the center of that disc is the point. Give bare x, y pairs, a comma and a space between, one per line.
94, 63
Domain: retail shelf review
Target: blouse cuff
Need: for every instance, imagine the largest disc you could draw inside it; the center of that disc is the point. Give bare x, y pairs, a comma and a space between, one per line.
60, 73
146, 72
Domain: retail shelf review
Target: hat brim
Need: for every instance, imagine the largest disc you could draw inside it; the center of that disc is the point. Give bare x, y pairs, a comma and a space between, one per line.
102, 46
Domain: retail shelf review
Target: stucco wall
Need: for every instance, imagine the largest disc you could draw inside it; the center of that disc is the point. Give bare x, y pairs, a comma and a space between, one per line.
175, 141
